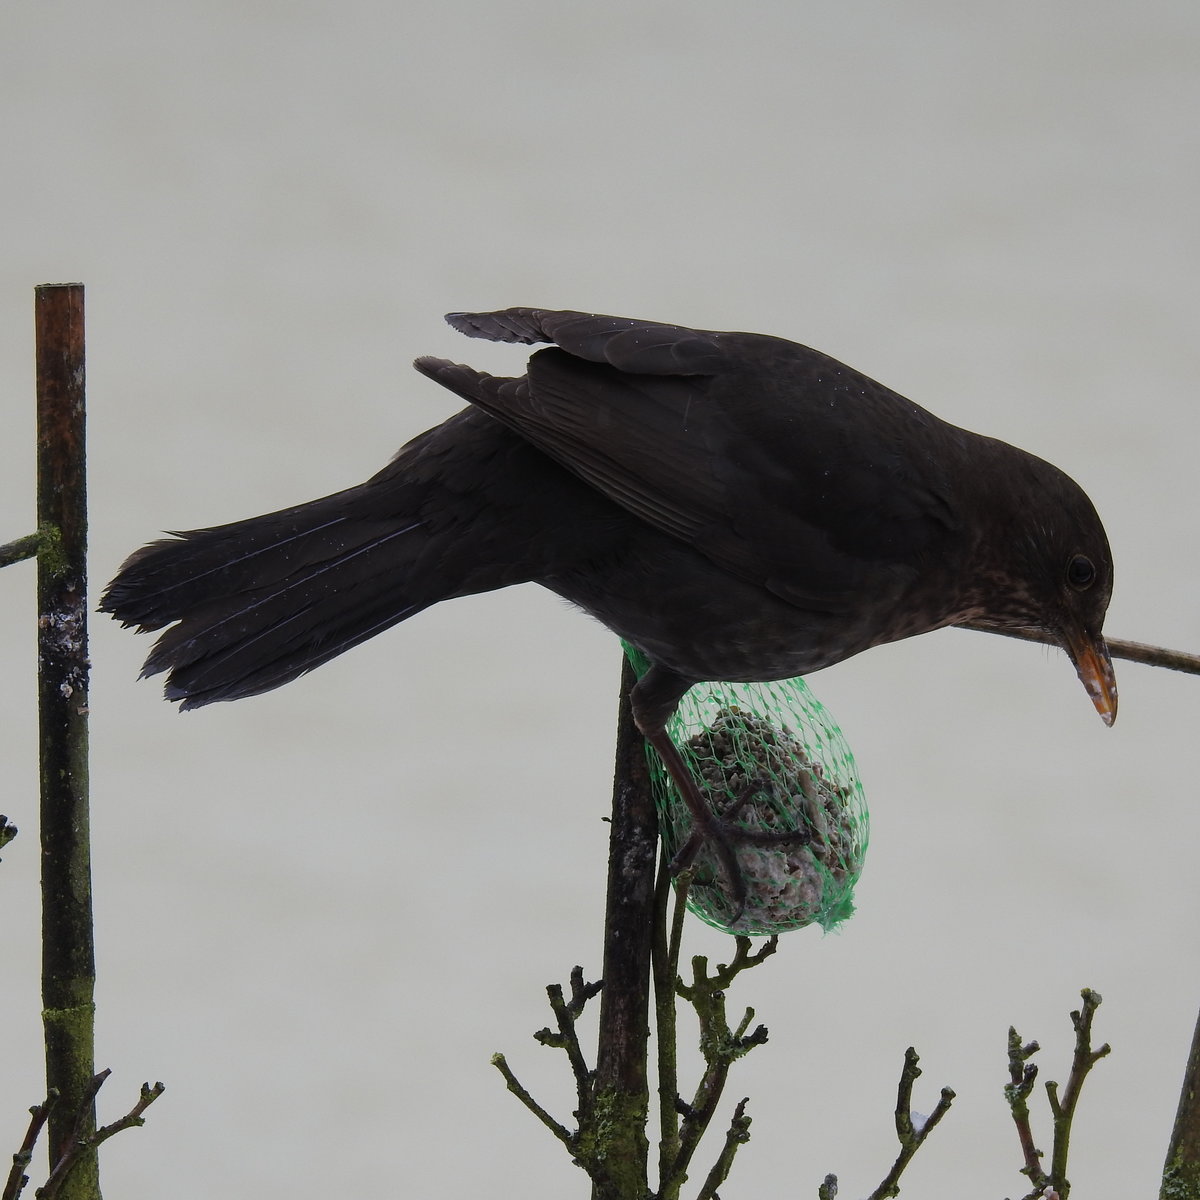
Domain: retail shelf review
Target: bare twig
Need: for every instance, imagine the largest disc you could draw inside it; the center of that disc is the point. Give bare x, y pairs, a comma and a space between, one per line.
87, 1142
1139, 652
1021, 1077
17, 1179
582, 1143
82, 1143
567, 1039
564, 1135
742, 959
1022, 1074
910, 1132
1064, 1111
737, 1135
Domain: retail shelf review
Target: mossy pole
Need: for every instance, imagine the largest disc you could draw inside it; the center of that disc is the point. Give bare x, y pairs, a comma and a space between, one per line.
621, 1092
68, 960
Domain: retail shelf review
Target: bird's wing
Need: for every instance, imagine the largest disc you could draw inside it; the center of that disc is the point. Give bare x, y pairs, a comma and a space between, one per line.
636, 347
746, 447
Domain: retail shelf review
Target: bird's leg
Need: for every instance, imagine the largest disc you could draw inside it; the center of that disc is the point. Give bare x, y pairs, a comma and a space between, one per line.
706, 825
654, 699
739, 834
760, 784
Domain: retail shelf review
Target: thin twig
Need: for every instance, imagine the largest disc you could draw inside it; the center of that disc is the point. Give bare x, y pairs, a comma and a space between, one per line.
909, 1133
1022, 1073
564, 1135
579, 1141
567, 1039
743, 959
1139, 652
84, 1140
737, 1135
683, 885
17, 1179
665, 971
20, 549
1021, 1077
1064, 1111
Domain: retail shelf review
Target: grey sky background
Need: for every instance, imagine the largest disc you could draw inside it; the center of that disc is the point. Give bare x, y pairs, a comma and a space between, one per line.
319, 912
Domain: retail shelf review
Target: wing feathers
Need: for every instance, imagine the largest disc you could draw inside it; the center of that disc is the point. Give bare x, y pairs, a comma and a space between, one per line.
639, 347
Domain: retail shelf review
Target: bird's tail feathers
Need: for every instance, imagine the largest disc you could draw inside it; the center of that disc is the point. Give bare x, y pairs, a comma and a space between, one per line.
259, 602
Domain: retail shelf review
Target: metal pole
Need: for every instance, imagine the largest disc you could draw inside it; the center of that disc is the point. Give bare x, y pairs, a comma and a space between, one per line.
68, 961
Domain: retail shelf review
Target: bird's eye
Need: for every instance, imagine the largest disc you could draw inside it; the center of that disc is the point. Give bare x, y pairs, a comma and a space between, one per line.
1081, 572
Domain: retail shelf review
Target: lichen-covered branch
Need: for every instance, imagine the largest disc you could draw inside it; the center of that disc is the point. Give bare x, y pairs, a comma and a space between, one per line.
665, 970
588, 1143
721, 1046
599, 1111
622, 1090
20, 549
1022, 1074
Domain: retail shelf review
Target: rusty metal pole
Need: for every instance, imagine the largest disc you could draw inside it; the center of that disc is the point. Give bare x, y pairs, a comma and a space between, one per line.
68, 960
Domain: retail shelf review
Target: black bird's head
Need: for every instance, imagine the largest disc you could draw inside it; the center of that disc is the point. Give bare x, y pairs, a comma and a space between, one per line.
1049, 570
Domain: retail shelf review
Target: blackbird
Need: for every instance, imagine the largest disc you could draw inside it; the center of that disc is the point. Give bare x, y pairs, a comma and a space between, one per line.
737, 506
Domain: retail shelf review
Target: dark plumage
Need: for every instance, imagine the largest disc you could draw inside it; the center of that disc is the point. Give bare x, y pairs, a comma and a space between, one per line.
737, 506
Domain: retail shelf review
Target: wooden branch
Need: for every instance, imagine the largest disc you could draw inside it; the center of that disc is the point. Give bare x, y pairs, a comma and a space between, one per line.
621, 1087
17, 1179
1022, 1074
909, 1132
1139, 652
81, 1146
21, 549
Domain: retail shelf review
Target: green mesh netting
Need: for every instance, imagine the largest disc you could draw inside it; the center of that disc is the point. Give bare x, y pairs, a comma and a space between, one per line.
771, 759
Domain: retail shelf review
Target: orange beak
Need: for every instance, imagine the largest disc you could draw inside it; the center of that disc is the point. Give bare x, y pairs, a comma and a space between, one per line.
1090, 655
